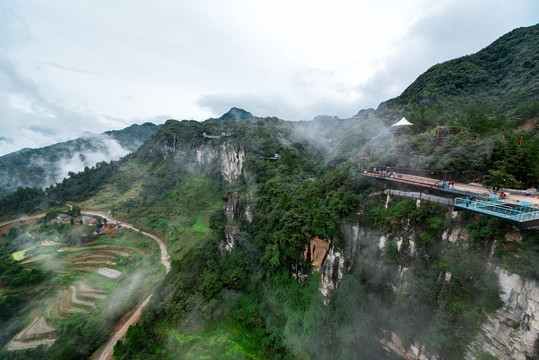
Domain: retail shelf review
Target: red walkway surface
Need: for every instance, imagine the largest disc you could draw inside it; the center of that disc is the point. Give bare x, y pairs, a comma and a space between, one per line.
458, 187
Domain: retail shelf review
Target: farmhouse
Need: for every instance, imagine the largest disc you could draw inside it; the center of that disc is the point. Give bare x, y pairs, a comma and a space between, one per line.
88, 220
63, 218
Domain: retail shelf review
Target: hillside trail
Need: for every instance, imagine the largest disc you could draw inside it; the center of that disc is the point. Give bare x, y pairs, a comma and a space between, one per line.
24, 218
108, 349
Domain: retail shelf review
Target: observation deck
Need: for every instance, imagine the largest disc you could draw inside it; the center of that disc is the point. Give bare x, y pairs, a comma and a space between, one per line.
523, 216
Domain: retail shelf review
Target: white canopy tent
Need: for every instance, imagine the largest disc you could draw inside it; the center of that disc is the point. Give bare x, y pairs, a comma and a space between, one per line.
402, 122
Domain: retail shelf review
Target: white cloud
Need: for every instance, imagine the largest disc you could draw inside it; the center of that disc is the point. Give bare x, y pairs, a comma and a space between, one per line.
100, 65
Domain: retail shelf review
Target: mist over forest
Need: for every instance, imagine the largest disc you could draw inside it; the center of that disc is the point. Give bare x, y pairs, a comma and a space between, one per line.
251, 237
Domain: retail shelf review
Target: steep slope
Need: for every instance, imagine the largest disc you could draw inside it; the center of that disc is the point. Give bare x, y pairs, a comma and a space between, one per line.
45, 166
501, 79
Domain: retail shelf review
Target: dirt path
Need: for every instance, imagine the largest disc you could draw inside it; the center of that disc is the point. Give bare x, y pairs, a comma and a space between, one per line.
24, 218
164, 254
108, 349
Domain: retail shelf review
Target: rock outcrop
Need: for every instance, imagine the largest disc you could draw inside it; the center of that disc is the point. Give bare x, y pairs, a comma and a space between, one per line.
415, 352
332, 271
232, 230
249, 205
231, 159
230, 205
512, 331
231, 162
237, 211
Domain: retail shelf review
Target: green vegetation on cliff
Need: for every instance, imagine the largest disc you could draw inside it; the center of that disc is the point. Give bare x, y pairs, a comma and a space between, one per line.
239, 220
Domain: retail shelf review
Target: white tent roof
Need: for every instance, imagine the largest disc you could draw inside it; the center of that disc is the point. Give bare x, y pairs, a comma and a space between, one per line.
402, 122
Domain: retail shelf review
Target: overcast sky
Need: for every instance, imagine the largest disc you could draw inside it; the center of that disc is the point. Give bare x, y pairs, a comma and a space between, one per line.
72, 66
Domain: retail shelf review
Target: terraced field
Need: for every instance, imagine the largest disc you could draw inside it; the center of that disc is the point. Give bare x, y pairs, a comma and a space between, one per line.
105, 276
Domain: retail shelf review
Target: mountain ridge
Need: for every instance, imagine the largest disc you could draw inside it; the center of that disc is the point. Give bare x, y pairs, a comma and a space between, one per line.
499, 80
41, 167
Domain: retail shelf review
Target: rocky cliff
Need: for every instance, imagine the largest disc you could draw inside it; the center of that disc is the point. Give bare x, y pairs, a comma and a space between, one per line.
512, 331
230, 158
235, 210
509, 333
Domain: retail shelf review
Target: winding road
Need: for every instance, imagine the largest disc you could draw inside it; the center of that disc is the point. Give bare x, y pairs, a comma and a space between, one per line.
165, 260
108, 349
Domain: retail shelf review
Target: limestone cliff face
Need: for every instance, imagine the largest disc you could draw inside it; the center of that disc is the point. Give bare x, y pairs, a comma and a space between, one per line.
249, 205
230, 205
509, 333
512, 331
205, 155
231, 162
315, 254
331, 271
414, 352
232, 230
236, 210
324, 258
226, 156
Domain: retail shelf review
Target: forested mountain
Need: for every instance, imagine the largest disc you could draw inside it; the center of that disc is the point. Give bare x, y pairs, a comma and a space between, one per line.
45, 166
233, 114
279, 249
500, 81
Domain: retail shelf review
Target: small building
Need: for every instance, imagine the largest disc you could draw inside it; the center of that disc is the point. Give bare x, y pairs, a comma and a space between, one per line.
63, 218
88, 220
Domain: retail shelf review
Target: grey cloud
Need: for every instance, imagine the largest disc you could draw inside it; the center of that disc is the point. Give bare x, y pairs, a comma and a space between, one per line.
456, 29
278, 105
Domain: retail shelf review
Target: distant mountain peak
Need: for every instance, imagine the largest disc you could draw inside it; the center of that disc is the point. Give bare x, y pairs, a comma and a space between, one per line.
233, 114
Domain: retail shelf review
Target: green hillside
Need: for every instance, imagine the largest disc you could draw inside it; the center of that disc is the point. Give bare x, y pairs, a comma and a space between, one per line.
278, 249
500, 80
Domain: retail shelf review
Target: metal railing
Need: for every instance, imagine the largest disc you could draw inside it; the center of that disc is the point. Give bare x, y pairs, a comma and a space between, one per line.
420, 196
499, 209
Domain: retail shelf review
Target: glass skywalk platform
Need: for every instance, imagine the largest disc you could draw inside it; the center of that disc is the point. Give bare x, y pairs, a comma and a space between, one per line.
520, 216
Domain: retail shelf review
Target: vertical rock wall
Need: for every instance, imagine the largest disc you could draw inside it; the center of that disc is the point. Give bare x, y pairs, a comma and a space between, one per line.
231, 162
231, 159
512, 331
236, 211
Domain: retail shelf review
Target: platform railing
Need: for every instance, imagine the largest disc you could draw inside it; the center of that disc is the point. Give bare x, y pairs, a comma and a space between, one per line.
496, 208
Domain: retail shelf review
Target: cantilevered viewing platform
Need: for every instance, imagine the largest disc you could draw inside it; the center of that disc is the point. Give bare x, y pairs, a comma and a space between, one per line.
521, 210
521, 216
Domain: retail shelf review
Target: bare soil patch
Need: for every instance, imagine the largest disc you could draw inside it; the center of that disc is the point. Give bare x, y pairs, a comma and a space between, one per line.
38, 327
94, 262
49, 243
108, 272
64, 307
87, 288
33, 336
88, 291
76, 300
66, 249
18, 345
